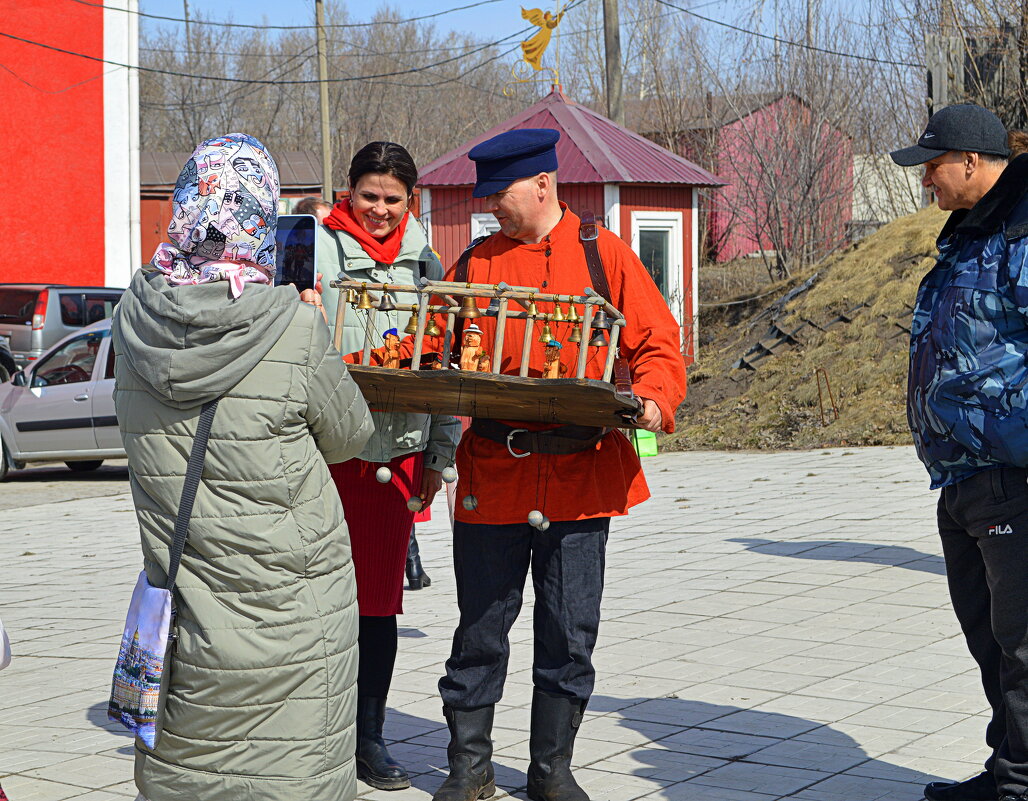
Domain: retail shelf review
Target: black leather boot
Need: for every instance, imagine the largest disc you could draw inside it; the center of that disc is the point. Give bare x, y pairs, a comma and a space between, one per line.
555, 722
978, 788
416, 576
470, 753
374, 765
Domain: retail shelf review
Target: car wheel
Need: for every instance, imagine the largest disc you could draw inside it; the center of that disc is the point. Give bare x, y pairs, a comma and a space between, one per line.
5, 462
84, 467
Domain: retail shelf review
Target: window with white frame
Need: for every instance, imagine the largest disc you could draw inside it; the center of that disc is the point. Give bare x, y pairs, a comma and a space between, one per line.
657, 240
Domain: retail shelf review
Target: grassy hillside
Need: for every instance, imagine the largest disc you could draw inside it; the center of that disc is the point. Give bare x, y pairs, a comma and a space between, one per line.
776, 405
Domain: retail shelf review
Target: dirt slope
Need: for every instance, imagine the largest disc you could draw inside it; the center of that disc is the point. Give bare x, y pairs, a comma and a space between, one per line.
851, 324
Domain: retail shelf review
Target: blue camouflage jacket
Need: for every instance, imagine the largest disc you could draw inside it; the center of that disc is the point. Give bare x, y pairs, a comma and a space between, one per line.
967, 390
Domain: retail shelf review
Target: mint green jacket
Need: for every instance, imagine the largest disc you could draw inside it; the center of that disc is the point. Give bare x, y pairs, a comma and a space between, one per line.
396, 433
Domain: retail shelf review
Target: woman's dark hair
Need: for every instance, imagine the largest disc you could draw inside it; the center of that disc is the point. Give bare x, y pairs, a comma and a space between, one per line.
384, 158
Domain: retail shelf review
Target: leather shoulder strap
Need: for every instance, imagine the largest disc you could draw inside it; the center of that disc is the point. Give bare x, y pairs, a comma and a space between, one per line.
460, 269
588, 234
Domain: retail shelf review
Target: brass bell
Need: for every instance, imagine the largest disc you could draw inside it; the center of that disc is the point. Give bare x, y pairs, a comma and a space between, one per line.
598, 339
558, 314
433, 329
576, 334
351, 296
469, 308
365, 300
412, 323
600, 320
386, 302
532, 310
547, 334
573, 316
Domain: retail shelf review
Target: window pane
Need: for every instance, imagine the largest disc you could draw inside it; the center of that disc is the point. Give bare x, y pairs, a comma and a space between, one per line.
654, 249
109, 369
16, 305
73, 311
72, 363
100, 307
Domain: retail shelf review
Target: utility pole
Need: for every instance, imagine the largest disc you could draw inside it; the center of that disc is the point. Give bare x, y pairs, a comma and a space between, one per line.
326, 136
612, 50
190, 115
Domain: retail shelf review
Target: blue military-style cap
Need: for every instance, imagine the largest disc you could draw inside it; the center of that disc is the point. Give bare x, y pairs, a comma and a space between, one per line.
505, 158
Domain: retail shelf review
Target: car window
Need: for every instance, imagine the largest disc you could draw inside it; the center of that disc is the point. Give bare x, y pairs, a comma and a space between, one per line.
99, 306
82, 308
72, 311
71, 363
17, 305
109, 369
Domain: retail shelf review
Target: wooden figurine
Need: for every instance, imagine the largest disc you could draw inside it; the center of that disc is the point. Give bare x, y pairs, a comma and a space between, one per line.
472, 355
392, 349
552, 365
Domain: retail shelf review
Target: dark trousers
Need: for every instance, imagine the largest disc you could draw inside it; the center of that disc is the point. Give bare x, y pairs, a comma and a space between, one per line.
983, 522
491, 564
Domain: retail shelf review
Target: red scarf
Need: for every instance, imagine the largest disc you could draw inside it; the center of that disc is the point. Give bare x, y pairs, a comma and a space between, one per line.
384, 250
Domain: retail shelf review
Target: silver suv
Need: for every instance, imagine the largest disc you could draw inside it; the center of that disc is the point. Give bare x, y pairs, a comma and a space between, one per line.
35, 316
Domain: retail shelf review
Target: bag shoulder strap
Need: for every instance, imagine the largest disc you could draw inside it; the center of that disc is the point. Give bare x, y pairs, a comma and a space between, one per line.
588, 235
194, 469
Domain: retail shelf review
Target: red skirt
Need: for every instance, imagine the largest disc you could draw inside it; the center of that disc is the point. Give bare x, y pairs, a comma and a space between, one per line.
380, 524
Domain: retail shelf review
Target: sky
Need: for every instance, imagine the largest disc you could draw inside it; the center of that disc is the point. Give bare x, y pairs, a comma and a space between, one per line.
499, 17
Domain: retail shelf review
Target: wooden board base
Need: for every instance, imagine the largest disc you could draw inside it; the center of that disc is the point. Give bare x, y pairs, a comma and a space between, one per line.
500, 397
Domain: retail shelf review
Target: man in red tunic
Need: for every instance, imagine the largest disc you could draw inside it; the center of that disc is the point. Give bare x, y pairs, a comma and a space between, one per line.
577, 480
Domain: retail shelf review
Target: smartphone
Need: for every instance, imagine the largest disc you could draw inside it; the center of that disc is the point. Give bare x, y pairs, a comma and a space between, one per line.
295, 251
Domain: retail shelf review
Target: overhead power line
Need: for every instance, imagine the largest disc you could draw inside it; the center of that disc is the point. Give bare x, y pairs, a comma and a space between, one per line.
348, 79
371, 24
789, 42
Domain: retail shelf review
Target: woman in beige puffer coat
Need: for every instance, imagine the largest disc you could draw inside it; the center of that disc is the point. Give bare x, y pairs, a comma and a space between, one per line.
261, 699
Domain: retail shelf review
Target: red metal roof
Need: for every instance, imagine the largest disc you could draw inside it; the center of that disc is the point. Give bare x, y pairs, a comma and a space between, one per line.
592, 149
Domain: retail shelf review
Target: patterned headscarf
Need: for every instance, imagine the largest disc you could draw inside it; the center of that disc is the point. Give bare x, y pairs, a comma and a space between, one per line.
224, 216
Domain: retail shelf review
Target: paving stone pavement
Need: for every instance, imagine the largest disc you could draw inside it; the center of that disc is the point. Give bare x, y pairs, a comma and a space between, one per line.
776, 626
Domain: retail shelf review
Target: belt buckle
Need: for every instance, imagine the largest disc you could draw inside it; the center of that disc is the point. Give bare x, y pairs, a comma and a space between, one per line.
510, 449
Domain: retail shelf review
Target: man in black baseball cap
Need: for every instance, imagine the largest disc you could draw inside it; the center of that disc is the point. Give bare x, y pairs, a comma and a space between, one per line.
964, 149
967, 403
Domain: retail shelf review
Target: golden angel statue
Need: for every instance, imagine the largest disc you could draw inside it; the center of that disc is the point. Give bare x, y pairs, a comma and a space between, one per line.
534, 47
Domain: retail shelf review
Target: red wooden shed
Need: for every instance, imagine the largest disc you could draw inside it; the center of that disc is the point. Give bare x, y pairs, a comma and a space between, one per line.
645, 194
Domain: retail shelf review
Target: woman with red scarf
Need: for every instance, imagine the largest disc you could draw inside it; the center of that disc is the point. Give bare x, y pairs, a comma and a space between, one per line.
371, 236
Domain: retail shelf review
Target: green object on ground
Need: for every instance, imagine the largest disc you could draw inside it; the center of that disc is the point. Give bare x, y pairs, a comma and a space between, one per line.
645, 442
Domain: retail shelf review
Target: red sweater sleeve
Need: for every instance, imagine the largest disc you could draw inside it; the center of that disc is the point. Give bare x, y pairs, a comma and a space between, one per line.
651, 340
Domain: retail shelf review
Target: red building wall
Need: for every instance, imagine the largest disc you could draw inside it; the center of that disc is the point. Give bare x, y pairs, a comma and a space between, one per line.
52, 182
763, 158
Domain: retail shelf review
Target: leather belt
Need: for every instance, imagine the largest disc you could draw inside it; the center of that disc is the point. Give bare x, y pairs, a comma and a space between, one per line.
522, 442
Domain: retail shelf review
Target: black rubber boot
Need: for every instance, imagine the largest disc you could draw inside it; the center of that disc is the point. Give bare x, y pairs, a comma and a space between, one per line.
470, 753
978, 788
374, 765
555, 722
416, 575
